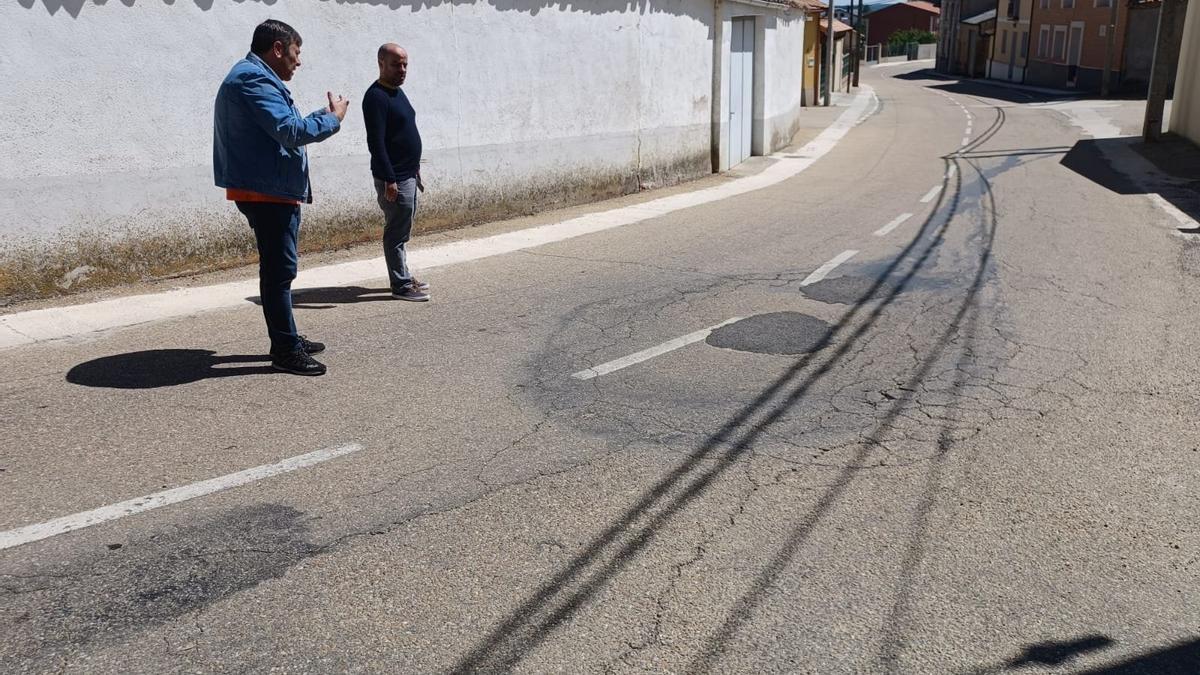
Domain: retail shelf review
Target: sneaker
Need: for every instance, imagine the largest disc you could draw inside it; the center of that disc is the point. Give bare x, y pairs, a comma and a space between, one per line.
411, 294
419, 285
297, 362
311, 347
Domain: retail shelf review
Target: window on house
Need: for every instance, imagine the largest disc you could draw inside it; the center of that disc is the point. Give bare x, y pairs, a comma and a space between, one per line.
1060, 43
1025, 43
1068, 4
1044, 4
1044, 42
1103, 3
1003, 40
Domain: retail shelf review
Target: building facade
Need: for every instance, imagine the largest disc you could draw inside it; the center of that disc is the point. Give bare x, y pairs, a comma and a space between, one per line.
1069, 41
1185, 112
1010, 48
914, 15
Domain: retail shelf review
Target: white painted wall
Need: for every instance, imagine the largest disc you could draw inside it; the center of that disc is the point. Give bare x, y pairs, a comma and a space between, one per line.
118, 102
519, 102
1185, 112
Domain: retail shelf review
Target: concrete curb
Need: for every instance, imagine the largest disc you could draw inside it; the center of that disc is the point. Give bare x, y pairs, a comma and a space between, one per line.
43, 325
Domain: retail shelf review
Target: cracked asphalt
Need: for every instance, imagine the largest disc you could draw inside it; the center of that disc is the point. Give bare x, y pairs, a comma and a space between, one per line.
972, 449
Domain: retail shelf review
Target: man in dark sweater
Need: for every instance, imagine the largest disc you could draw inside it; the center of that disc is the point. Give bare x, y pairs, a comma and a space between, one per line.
395, 146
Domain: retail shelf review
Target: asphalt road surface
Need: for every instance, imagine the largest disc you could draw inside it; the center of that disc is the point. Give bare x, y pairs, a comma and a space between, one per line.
961, 441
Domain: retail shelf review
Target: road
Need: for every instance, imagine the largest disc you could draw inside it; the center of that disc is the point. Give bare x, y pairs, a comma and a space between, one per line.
969, 448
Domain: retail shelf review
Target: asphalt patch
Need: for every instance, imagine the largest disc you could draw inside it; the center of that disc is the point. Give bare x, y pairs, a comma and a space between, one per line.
847, 290
125, 588
779, 333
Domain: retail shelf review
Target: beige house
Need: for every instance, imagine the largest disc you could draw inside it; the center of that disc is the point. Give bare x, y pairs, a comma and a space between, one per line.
1011, 44
1185, 112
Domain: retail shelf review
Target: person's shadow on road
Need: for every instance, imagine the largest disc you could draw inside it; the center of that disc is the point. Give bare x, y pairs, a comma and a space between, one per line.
164, 368
326, 297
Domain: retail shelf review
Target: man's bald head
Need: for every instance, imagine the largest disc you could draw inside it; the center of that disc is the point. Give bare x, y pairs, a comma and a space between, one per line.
393, 64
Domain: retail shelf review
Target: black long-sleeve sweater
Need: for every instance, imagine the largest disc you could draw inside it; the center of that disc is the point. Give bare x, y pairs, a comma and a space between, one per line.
392, 135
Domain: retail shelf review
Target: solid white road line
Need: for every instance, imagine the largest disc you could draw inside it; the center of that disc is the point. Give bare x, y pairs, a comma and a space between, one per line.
647, 354
824, 270
893, 225
929, 196
29, 533
38, 325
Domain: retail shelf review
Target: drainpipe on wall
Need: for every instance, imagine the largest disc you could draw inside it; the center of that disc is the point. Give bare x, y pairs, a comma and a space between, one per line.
718, 39
1109, 43
829, 58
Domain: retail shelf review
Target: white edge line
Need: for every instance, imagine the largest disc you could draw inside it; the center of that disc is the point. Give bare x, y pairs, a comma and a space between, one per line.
647, 354
824, 270
50, 528
893, 225
931, 194
39, 325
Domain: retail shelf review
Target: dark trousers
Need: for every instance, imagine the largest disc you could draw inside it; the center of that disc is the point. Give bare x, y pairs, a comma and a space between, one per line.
276, 229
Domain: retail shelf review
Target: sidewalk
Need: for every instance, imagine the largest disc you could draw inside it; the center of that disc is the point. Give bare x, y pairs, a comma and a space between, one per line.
821, 130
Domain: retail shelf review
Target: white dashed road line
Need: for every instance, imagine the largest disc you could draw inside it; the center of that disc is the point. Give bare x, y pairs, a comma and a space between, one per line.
824, 270
31, 533
883, 231
932, 194
647, 354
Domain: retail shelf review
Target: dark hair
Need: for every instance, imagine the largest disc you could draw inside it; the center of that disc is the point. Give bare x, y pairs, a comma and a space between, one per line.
267, 33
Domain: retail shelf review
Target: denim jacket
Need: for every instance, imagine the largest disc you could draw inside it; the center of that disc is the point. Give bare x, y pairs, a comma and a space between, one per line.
259, 136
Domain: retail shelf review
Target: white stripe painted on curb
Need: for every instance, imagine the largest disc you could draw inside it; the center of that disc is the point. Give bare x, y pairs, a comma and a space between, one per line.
824, 270
647, 354
929, 196
50, 324
31, 533
883, 231
1180, 217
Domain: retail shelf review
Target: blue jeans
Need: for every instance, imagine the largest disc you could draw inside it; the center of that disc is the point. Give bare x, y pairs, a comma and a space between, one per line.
276, 229
398, 219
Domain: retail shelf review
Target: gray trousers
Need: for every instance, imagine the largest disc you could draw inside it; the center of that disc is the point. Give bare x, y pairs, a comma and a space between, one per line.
398, 219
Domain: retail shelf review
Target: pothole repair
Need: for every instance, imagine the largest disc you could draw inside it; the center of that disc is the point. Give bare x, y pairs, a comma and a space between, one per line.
779, 333
846, 290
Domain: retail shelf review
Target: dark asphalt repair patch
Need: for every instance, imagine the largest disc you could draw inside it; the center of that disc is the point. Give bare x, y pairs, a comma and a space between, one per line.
846, 290
146, 582
780, 333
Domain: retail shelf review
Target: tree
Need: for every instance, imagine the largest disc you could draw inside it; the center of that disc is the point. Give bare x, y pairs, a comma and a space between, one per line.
909, 35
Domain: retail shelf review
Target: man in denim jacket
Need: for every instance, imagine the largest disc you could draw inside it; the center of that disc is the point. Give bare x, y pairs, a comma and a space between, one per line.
259, 158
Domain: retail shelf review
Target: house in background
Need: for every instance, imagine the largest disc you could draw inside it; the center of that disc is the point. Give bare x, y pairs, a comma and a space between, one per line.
841, 53
1010, 48
964, 40
1068, 42
975, 43
913, 15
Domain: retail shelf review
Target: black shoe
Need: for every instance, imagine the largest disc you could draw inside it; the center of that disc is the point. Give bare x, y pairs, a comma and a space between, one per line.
311, 347
297, 362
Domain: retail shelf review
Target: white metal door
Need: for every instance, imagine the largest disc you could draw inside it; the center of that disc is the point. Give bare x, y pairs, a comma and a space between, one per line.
741, 89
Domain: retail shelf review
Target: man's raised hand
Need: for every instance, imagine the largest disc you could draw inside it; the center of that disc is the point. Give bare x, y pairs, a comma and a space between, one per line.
338, 106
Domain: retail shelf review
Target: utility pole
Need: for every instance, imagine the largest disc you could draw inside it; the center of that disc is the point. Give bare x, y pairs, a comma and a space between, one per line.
829, 57
1166, 54
858, 39
1109, 44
